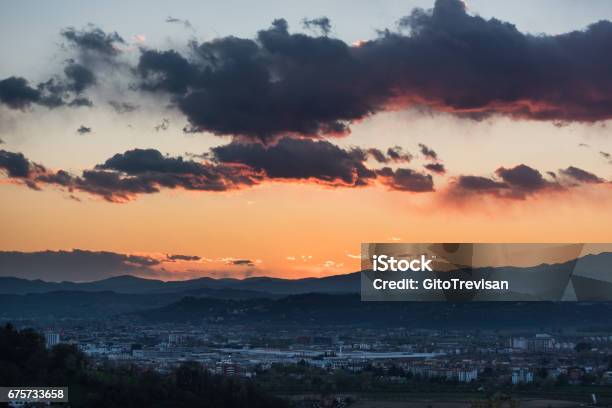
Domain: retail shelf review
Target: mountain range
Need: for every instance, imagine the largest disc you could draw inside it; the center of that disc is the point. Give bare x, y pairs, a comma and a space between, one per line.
128, 284
332, 300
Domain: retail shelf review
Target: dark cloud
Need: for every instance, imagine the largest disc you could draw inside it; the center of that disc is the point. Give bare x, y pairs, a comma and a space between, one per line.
122, 107
76, 265
126, 175
377, 155
79, 77
163, 125
478, 184
282, 83
145, 171
393, 154
93, 49
322, 23
93, 39
83, 130
80, 102
580, 176
239, 165
16, 93
16, 165
444, 59
396, 154
178, 257
242, 262
300, 159
186, 23
427, 152
437, 168
406, 180
523, 179
229, 167
519, 182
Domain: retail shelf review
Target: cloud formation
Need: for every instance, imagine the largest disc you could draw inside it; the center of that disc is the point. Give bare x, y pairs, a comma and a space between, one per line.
406, 180
444, 58
75, 265
83, 130
300, 159
179, 257
437, 168
285, 84
228, 167
519, 182
427, 152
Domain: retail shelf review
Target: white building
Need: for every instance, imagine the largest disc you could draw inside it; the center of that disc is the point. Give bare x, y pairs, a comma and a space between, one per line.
51, 339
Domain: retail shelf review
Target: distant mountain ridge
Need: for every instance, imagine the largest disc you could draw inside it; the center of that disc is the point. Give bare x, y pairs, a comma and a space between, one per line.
590, 265
127, 284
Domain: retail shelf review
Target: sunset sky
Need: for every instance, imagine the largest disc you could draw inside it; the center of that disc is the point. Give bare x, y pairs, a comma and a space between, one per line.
227, 140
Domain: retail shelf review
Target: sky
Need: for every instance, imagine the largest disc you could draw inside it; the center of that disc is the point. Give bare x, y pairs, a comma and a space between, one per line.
219, 139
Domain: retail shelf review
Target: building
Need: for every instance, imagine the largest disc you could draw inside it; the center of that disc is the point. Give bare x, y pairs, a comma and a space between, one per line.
467, 375
51, 339
521, 375
518, 343
227, 367
541, 342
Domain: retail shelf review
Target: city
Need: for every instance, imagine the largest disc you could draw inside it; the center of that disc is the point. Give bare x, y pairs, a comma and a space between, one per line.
351, 363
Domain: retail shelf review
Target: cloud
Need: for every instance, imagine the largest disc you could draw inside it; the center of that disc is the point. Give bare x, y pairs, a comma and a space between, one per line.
437, 168
16, 165
323, 24
523, 179
186, 23
92, 49
93, 39
427, 152
242, 262
164, 125
83, 130
300, 159
518, 183
581, 176
396, 154
233, 166
444, 59
377, 155
393, 154
74, 265
293, 84
16, 93
79, 77
122, 107
178, 257
405, 180
126, 175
